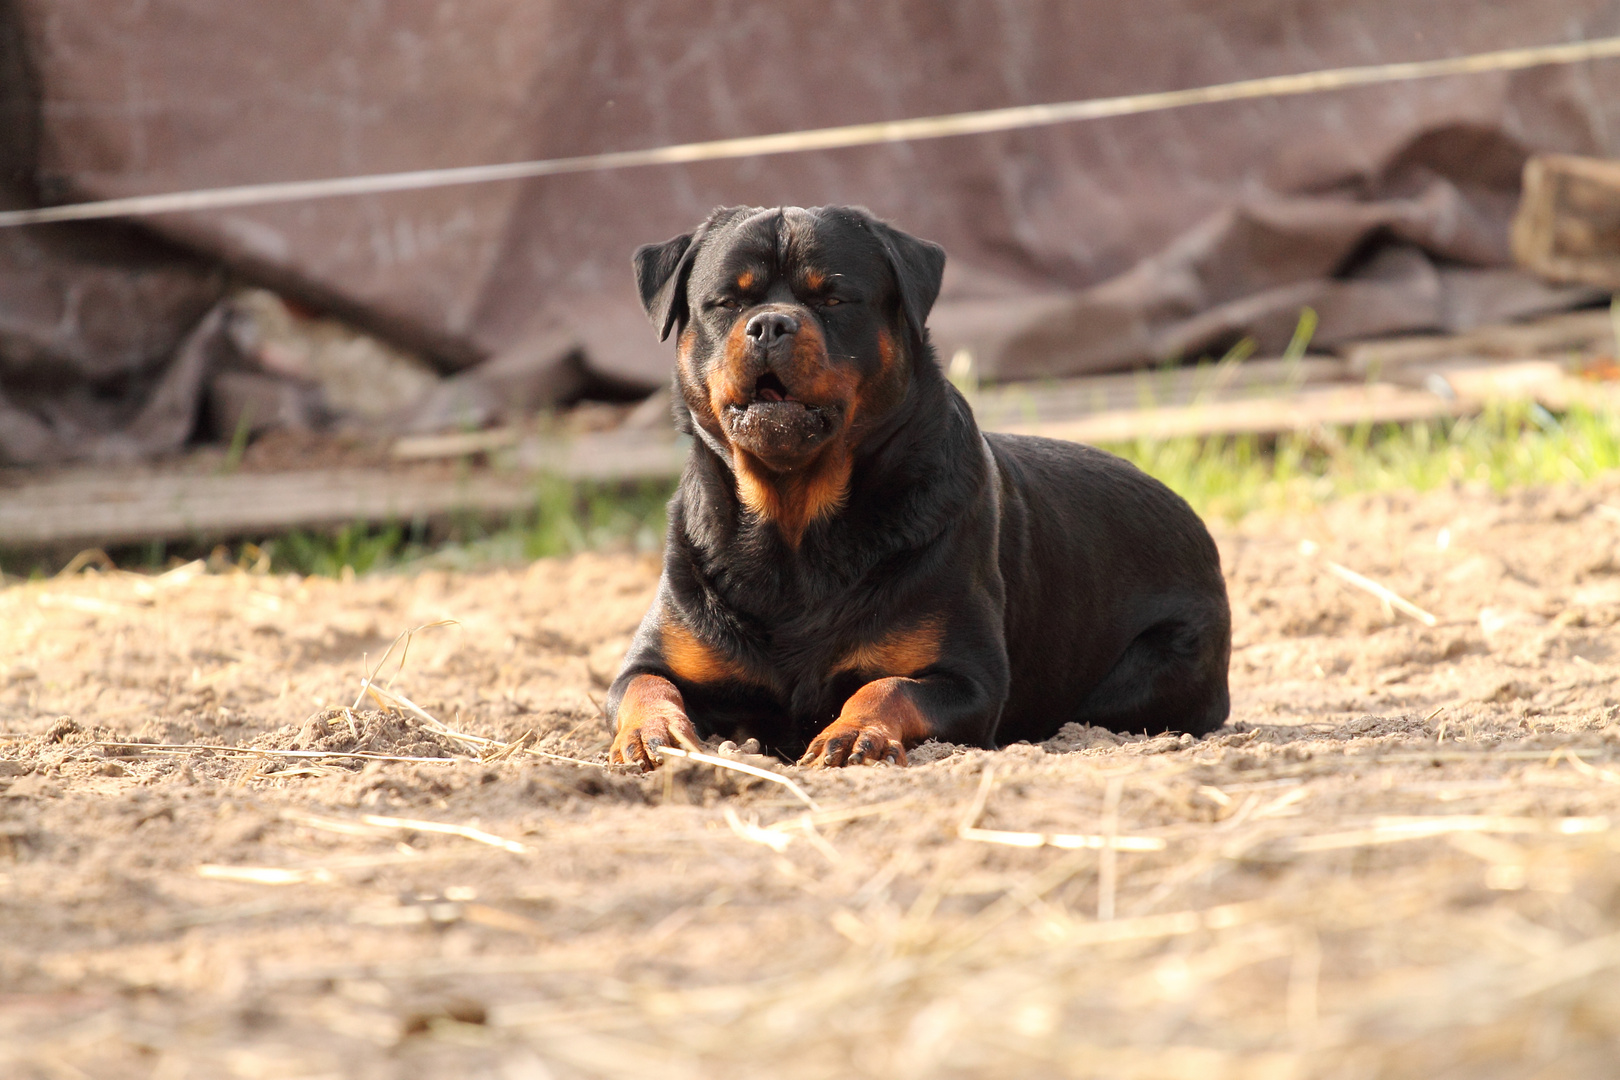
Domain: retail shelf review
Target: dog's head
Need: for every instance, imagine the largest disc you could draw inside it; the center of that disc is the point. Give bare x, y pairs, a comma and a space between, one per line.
798, 331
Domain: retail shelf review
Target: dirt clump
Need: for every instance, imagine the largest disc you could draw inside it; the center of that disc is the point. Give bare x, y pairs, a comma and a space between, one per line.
359, 731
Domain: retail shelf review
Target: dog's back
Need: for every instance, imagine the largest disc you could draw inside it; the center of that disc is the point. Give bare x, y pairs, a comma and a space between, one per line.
1116, 608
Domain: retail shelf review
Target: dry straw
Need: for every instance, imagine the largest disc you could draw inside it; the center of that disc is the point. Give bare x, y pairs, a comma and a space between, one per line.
378, 825
1108, 840
741, 767
1391, 600
251, 751
390, 700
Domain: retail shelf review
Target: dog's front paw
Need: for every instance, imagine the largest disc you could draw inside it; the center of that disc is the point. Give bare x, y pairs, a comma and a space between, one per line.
856, 741
651, 715
875, 725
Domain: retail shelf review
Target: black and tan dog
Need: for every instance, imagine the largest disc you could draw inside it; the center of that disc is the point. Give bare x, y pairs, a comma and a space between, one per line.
851, 566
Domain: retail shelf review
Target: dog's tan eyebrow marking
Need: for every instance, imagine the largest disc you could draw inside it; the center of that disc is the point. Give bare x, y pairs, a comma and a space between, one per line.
746, 279
815, 279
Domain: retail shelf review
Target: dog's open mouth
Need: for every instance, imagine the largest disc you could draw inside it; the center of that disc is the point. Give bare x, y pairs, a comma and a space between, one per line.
776, 425
771, 388
772, 402
771, 398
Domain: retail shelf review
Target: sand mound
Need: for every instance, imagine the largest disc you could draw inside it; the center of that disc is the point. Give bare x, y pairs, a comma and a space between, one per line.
351, 731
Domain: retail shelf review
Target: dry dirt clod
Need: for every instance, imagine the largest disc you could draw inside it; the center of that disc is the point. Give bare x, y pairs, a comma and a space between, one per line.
61, 729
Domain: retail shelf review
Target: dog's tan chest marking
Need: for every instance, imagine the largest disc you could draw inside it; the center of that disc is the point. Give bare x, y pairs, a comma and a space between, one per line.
900, 652
693, 661
793, 500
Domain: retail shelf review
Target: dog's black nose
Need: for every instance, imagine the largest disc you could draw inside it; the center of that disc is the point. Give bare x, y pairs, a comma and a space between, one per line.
768, 326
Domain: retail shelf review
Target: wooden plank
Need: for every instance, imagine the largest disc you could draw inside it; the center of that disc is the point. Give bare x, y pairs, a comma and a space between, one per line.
454, 444
113, 509
1316, 407
1050, 400
100, 506
1404, 359
1568, 224
1464, 389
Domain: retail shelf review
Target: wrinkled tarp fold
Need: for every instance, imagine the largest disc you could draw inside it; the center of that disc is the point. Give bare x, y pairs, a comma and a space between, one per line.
1076, 248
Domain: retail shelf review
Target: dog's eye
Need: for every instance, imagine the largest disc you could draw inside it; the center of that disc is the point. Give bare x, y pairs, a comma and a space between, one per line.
831, 301
729, 304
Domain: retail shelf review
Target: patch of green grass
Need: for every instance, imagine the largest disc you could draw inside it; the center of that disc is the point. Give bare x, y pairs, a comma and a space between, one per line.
359, 547
1511, 445
566, 518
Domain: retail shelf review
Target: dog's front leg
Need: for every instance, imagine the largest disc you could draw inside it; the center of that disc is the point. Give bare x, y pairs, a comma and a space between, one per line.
884, 717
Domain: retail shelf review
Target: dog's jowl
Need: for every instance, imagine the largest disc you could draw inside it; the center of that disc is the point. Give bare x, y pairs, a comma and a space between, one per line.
852, 567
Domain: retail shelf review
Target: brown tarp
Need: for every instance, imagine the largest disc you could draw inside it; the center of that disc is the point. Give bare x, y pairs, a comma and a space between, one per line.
1076, 248
93, 360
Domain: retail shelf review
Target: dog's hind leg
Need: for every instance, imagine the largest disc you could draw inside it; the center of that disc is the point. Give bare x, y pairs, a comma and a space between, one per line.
1171, 677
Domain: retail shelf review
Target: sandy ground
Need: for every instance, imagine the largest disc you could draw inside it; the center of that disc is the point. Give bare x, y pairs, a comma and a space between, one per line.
1399, 859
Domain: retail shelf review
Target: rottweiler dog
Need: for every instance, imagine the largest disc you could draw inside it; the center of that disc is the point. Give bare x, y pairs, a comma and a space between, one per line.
852, 567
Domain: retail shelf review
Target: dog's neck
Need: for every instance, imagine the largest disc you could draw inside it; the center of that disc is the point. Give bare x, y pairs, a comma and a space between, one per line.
791, 500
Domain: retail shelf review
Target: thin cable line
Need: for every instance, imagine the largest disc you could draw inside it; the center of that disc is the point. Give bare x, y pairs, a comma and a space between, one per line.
834, 138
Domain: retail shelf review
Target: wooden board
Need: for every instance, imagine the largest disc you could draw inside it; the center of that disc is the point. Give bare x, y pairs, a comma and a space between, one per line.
1023, 404
1460, 389
1311, 408
1405, 359
99, 507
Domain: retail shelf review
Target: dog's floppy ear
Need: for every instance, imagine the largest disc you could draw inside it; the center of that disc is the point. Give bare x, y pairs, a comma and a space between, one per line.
661, 272
918, 267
